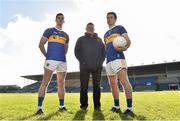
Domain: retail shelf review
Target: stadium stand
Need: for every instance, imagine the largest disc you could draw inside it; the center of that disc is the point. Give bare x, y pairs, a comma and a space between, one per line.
154, 77
9, 89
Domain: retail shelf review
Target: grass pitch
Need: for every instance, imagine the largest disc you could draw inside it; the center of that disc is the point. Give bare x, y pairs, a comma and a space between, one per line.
163, 105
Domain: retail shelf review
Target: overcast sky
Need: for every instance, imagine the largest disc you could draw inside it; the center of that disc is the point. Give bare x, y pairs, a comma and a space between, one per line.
153, 27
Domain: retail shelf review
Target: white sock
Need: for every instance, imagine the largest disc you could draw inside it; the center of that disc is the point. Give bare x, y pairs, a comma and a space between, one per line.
117, 107
129, 108
61, 106
39, 107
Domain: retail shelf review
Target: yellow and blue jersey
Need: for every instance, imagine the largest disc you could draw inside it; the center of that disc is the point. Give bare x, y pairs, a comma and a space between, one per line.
56, 44
111, 53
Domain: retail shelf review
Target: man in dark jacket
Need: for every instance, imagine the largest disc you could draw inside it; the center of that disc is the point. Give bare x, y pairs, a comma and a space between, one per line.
90, 52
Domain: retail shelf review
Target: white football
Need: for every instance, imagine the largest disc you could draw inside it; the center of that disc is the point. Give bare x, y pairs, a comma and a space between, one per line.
119, 42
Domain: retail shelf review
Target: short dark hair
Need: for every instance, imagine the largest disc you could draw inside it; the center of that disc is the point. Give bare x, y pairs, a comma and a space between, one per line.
90, 23
59, 14
113, 13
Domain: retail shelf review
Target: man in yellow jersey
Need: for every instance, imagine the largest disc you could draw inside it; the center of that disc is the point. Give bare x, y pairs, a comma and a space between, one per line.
55, 60
116, 67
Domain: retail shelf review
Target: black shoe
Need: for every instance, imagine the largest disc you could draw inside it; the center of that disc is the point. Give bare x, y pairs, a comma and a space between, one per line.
62, 109
40, 112
128, 112
116, 110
